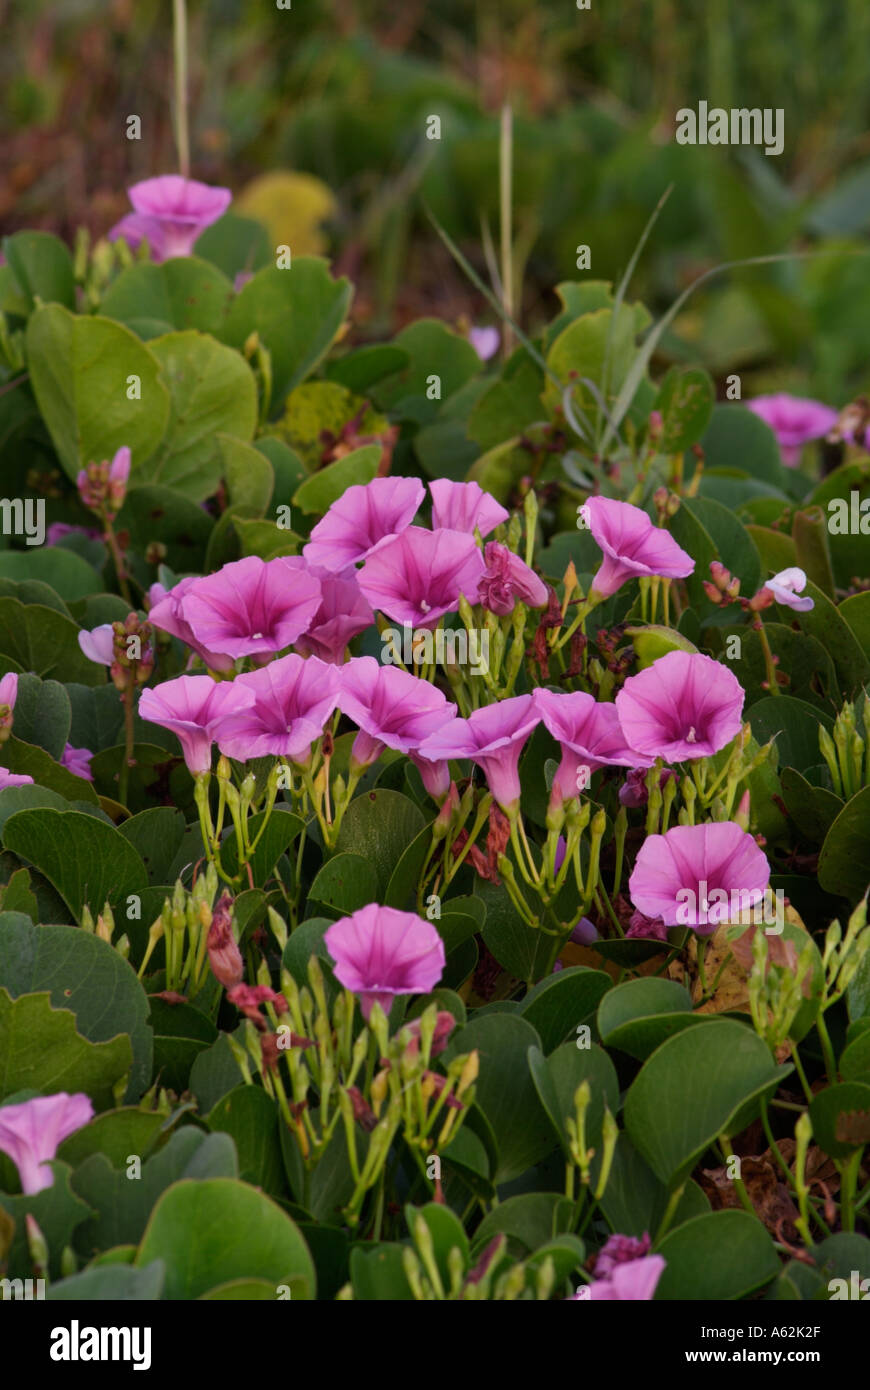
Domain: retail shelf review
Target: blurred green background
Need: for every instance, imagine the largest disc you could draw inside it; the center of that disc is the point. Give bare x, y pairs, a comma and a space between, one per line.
341, 90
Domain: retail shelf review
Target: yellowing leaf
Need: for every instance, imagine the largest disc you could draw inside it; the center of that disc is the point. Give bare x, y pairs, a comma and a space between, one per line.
291, 207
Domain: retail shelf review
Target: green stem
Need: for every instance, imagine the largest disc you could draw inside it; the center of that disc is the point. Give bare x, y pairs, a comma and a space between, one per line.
128, 761
182, 135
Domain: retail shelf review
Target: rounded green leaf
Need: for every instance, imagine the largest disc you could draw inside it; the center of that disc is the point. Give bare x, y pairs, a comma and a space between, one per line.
723, 1255
560, 1003
636, 1017
80, 370
220, 1230
841, 1118
697, 1085
844, 863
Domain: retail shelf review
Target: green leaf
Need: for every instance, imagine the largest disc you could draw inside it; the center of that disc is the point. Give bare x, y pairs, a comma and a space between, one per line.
505, 1091
794, 724
318, 492
42, 714
346, 882
719, 1256
697, 1085
685, 402
378, 1273
87, 861
378, 826
828, 625
296, 313
637, 1016
562, 1002
519, 948
26, 758
115, 1285
556, 1080
122, 1204
434, 350
653, 641
41, 1050
56, 1210
510, 405
15, 896
79, 370
181, 1032
855, 1059
45, 643
841, 1118
156, 836
595, 346
251, 1118
114, 1135
529, 1221
214, 1073
219, 1230
361, 368
281, 830
635, 1201
164, 514
213, 392
855, 611
66, 573
42, 267
86, 975
183, 292
235, 244
844, 862
401, 890
734, 546
738, 437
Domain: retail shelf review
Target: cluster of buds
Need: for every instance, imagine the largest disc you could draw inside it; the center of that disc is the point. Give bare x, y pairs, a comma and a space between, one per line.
184, 927
847, 753
666, 503
725, 587
843, 955
104, 928
321, 1085
132, 652
779, 982
103, 486
494, 1278
579, 1154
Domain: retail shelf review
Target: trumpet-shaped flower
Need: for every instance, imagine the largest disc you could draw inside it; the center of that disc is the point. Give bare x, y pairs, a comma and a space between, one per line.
794, 420
493, 737
292, 700
590, 735
685, 705
195, 708
361, 519
632, 545
172, 212
464, 506
32, 1131
696, 875
380, 952
419, 576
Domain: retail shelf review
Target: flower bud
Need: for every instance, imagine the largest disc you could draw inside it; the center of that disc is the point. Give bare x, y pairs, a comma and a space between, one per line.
223, 954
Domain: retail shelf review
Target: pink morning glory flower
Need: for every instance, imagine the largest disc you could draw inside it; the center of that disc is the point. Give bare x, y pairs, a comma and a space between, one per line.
632, 545
417, 577
98, 645
380, 952
392, 708
32, 1132
493, 737
14, 779
168, 612
485, 342
506, 579
787, 586
590, 735
794, 420
77, 761
172, 212
194, 708
684, 706
361, 519
292, 700
464, 506
344, 612
632, 1281
687, 876
251, 607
